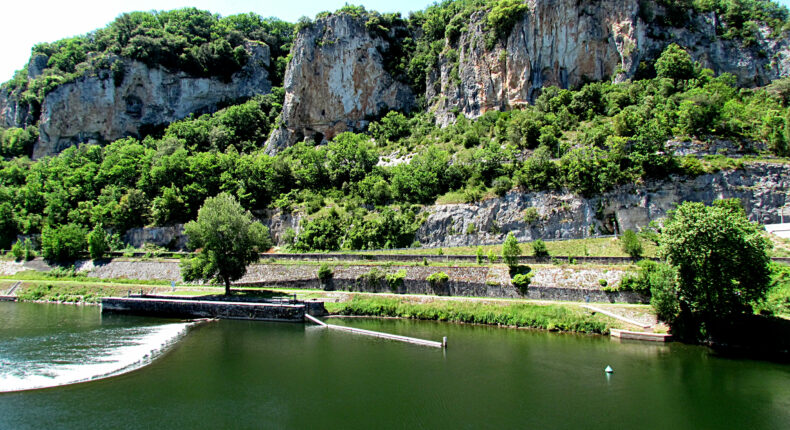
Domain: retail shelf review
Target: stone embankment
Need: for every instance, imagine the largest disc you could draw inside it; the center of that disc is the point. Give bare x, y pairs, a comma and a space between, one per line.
548, 282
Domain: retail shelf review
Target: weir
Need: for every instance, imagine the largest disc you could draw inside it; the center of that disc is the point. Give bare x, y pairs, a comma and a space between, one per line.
196, 308
290, 311
414, 340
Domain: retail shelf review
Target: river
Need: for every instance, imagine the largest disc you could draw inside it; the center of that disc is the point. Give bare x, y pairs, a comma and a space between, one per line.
244, 374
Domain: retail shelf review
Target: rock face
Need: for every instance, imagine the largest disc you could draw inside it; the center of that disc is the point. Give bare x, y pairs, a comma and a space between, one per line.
93, 108
335, 81
170, 237
568, 42
763, 189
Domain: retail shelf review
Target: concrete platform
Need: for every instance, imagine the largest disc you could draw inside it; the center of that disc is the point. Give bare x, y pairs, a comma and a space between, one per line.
177, 308
638, 335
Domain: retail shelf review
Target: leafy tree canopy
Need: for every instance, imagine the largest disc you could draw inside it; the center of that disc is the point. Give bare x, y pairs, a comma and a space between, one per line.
228, 239
722, 265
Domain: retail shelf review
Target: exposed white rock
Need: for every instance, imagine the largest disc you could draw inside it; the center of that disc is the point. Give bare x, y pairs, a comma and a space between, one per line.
763, 188
568, 42
94, 109
335, 81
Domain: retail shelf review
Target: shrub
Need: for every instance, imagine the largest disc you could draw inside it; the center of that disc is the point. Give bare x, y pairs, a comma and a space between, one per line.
372, 278
395, 280
631, 244
649, 276
97, 242
603, 282
325, 273
539, 249
502, 185
492, 258
531, 216
437, 279
503, 16
510, 250
23, 250
64, 243
522, 281
675, 63
479, 254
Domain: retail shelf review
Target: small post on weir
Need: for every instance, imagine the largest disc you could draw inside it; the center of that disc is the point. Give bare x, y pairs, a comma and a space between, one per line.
444, 342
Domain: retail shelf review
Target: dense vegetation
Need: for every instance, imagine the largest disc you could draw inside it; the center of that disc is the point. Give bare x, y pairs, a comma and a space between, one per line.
736, 19
586, 141
365, 190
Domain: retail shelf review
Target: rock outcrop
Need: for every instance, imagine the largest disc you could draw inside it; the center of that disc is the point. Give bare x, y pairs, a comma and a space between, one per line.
763, 188
169, 237
335, 81
100, 108
569, 42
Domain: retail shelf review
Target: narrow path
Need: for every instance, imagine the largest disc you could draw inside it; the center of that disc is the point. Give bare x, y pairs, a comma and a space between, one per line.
616, 316
11, 291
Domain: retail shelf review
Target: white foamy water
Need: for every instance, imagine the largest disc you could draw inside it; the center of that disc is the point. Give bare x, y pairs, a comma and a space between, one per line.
54, 361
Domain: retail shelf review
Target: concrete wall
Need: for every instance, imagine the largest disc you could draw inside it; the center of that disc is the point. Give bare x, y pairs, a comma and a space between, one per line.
204, 309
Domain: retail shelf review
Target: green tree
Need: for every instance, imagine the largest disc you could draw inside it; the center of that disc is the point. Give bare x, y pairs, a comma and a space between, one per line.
228, 240
630, 244
64, 243
98, 243
510, 250
722, 264
23, 250
539, 249
675, 63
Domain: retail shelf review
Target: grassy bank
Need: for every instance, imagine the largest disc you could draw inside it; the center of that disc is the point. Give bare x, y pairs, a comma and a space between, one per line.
592, 247
73, 292
67, 275
548, 317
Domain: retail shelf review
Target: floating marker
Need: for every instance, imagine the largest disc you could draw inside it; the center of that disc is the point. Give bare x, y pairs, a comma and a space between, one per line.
609, 369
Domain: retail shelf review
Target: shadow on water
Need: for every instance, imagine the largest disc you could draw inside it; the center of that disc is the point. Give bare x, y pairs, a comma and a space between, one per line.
756, 337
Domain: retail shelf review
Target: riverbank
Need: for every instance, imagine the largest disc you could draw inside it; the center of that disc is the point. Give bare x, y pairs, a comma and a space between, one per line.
553, 317
545, 315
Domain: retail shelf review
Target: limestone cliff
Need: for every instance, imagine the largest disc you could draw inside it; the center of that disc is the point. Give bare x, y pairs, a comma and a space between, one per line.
569, 42
98, 108
763, 189
335, 81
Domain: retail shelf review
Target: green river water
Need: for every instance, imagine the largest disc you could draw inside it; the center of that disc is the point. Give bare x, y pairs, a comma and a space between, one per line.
243, 374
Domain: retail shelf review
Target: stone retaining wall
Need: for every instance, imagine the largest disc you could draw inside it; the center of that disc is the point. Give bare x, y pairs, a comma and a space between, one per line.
548, 282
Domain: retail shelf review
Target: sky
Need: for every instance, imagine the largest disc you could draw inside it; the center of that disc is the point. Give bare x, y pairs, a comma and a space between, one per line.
23, 24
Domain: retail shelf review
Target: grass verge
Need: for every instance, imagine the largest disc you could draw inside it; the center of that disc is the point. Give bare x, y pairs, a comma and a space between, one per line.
547, 317
33, 275
592, 247
68, 292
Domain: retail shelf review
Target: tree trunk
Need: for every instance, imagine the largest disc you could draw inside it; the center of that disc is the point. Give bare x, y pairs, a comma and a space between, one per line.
227, 286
